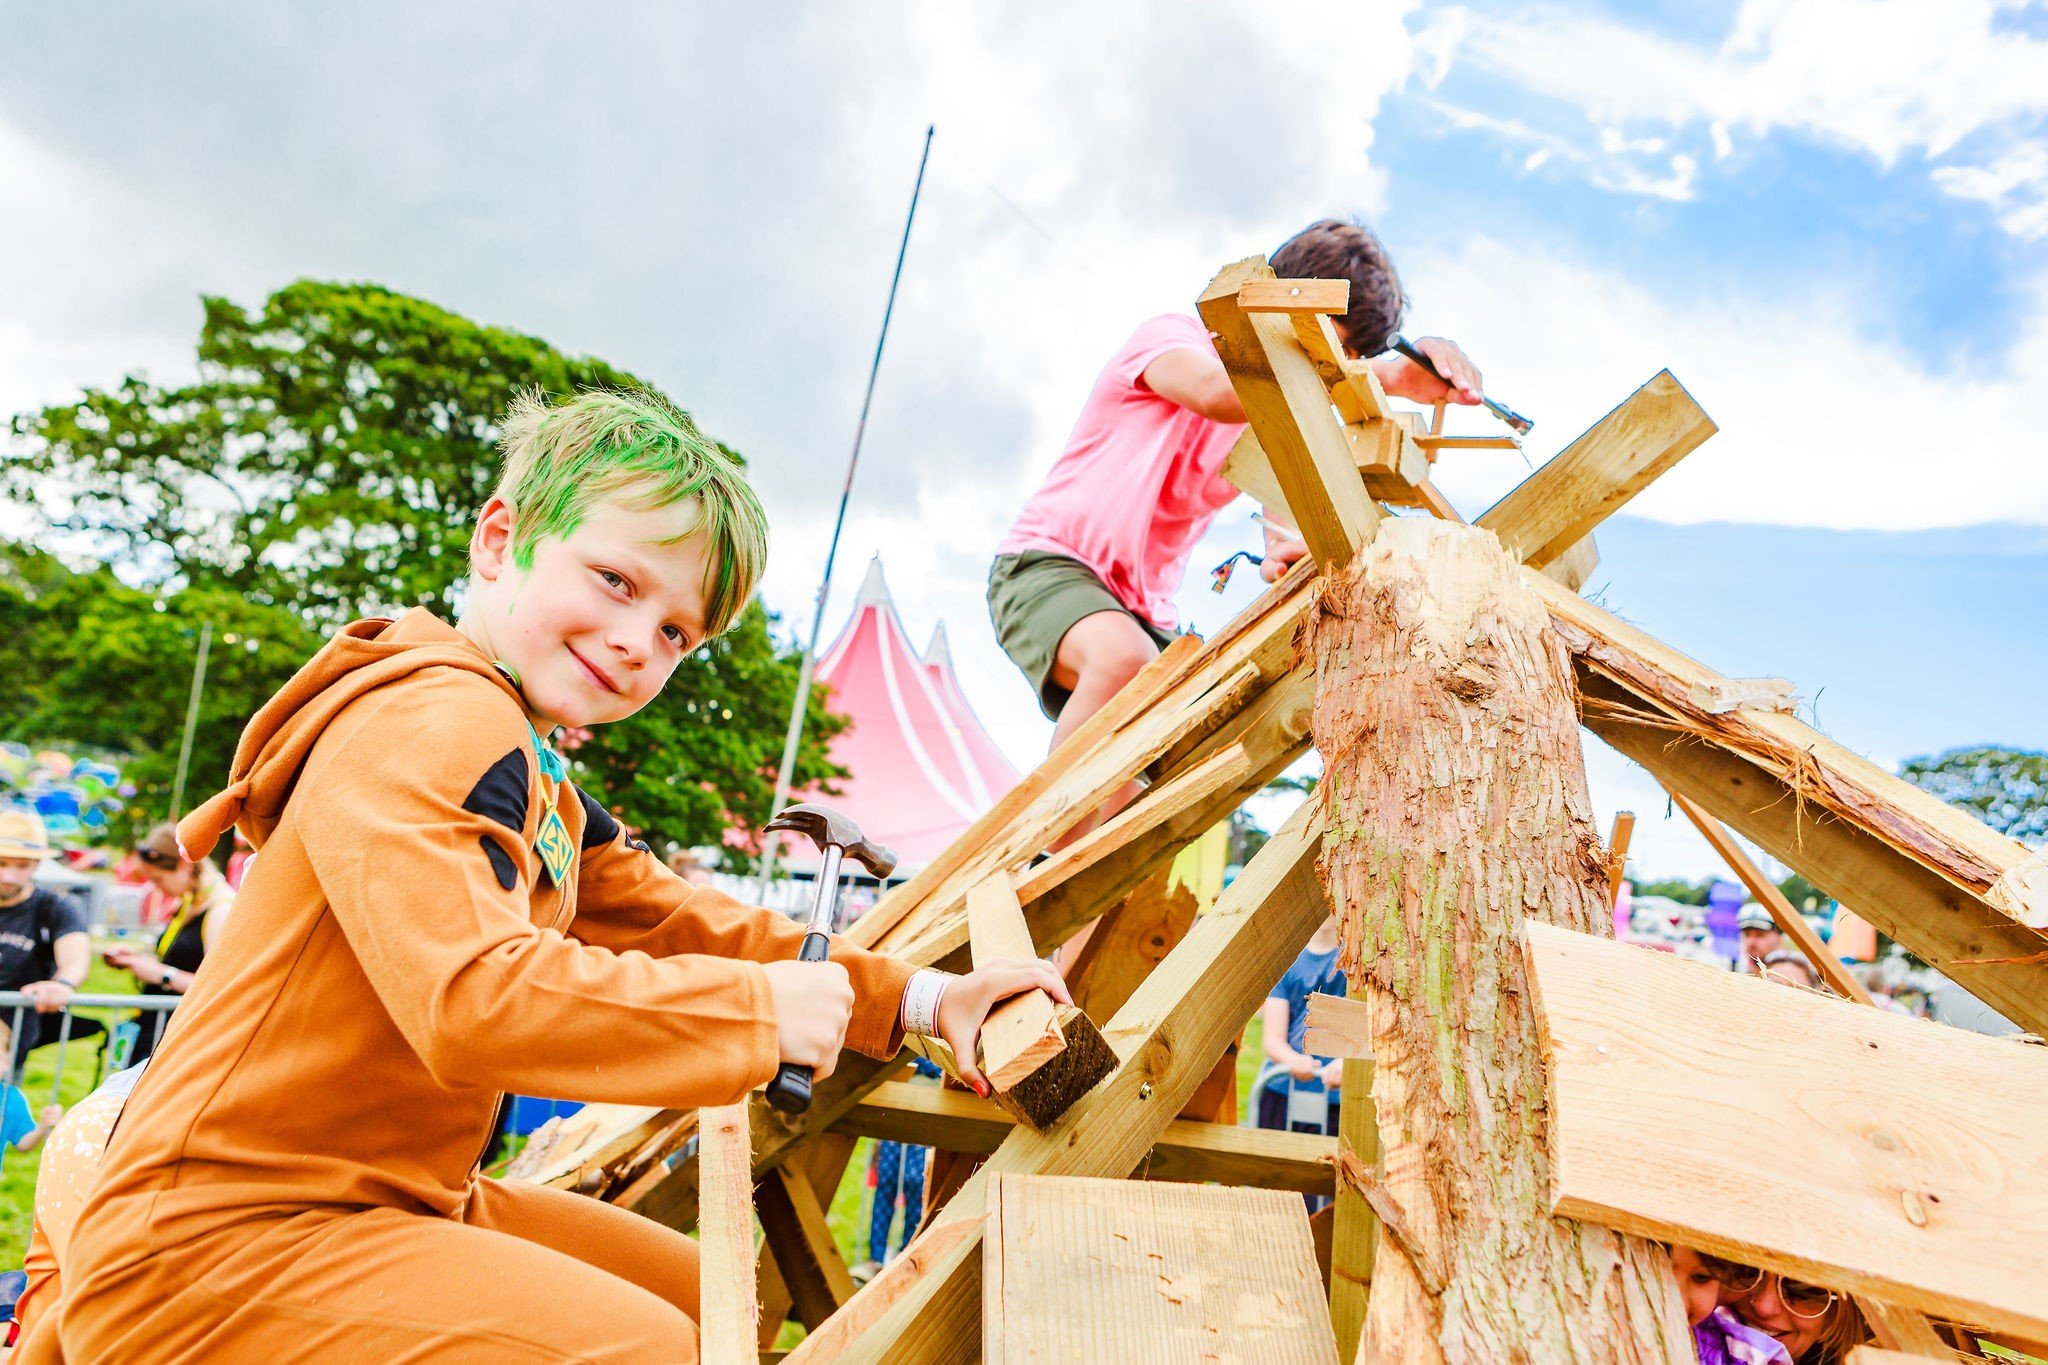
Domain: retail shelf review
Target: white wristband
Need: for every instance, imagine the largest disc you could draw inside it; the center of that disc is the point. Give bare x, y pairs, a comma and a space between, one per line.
921, 998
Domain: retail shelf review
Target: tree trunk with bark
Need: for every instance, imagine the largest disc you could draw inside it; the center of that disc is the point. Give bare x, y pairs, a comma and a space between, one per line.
1458, 807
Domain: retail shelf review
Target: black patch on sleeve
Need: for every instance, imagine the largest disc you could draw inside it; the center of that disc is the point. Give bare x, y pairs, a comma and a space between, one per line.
640, 844
501, 861
598, 826
500, 794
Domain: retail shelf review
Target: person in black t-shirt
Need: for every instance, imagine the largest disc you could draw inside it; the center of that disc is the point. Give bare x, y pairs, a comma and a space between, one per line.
44, 951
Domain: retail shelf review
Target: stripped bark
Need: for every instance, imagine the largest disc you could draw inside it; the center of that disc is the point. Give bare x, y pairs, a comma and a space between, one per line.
1458, 806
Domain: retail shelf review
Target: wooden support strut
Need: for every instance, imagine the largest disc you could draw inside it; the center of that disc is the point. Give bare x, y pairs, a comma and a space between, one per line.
726, 1238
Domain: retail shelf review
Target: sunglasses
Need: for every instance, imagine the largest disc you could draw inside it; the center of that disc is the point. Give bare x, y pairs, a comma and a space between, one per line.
1802, 1300
169, 862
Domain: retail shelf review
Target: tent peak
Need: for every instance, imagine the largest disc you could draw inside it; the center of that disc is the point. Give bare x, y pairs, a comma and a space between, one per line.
939, 651
874, 589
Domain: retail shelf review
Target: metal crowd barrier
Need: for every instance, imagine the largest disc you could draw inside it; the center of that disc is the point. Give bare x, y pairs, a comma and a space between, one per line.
117, 1042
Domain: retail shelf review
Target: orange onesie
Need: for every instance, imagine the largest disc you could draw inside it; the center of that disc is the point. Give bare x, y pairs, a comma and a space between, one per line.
296, 1175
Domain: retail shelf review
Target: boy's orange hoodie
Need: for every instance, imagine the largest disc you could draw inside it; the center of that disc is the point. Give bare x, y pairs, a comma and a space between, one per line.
398, 958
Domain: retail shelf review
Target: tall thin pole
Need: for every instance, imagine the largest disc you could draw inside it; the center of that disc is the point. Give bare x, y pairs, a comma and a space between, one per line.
783, 776
191, 720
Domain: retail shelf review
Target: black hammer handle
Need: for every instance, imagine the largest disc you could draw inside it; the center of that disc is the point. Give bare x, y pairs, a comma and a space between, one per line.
1506, 414
790, 1091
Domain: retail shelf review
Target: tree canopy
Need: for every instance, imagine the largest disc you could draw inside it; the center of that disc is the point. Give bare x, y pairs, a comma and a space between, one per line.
326, 463
2005, 788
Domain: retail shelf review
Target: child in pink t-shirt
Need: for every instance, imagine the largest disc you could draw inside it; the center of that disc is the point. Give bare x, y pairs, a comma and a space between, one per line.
1081, 591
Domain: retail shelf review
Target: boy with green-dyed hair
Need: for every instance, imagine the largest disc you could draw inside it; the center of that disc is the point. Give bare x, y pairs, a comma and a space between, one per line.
438, 917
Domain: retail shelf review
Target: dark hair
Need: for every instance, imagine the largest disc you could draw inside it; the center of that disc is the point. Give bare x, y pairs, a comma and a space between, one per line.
1333, 249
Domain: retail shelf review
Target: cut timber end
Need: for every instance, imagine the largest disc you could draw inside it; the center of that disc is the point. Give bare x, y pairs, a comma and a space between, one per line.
1044, 1093
1294, 296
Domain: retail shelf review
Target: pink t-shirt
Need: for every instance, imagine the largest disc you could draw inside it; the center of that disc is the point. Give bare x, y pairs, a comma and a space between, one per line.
1138, 483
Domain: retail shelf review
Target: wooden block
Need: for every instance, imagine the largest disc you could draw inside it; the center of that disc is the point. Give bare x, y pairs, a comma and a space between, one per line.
1294, 296
1620, 455
1247, 467
1617, 852
1718, 695
1101, 1270
1038, 1055
932, 1116
1286, 404
726, 1237
1939, 1204
1129, 942
1338, 1027
1575, 565
1389, 458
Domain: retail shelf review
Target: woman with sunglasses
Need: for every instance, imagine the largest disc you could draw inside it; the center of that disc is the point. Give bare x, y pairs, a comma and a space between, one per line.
1815, 1325
200, 899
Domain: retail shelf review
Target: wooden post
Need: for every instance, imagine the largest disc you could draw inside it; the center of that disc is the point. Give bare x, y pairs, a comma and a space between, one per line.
1458, 806
726, 1237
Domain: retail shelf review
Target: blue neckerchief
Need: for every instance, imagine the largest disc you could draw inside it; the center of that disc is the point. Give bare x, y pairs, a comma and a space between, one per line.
551, 764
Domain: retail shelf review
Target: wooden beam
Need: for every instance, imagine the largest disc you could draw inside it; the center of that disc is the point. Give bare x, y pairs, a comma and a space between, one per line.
935, 1116
820, 1166
1438, 678
1176, 1024
730, 1314
1617, 853
1789, 920
1620, 455
1939, 1205
1286, 404
793, 1220
1294, 296
1952, 891
1355, 1230
1023, 1033
1716, 695
1099, 1270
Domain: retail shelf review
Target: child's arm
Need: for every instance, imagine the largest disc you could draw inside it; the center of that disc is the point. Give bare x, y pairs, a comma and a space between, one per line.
417, 816
629, 901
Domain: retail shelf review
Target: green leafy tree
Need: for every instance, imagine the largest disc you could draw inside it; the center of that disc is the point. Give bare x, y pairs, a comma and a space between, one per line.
328, 462
106, 666
1684, 892
2005, 788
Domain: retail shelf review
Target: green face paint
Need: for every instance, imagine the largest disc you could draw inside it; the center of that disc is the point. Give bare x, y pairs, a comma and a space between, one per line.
633, 448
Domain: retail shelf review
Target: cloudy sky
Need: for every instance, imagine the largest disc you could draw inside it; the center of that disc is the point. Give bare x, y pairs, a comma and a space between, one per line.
1828, 217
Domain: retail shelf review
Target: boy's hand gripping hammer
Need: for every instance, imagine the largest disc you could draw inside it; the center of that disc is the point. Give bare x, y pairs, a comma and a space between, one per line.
836, 837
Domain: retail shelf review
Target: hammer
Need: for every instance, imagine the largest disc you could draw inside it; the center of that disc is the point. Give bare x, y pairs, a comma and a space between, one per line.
836, 837
1506, 414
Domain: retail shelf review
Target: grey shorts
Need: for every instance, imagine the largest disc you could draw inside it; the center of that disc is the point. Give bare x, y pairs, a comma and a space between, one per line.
1035, 598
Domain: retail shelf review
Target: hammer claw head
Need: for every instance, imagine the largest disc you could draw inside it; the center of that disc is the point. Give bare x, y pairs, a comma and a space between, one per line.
825, 826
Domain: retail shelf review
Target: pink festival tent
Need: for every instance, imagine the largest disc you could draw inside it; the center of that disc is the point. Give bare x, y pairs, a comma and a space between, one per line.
920, 766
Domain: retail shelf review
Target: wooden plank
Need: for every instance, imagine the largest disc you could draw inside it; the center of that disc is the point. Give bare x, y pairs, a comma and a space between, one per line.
1286, 404
1878, 1355
730, 1314
1620, 455
1393, 465
1168, 1035
1789, 920
793, 1224
1715, 695
1294, 296
1247, 467
1903, 1331
1354, 1231
932, 1116
1099, 1270
1338, 1027
1939, 1205
1575, 566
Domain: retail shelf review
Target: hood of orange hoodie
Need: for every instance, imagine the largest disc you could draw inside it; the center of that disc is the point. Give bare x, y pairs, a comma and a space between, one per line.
362, 657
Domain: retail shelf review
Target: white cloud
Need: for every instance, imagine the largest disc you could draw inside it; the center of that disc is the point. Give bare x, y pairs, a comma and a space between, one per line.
1952, 82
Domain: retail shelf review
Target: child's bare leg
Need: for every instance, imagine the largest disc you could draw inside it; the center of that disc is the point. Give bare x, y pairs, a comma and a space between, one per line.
1097, 658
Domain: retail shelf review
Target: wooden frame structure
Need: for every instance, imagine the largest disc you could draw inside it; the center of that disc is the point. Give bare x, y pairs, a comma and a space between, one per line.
1210, 723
